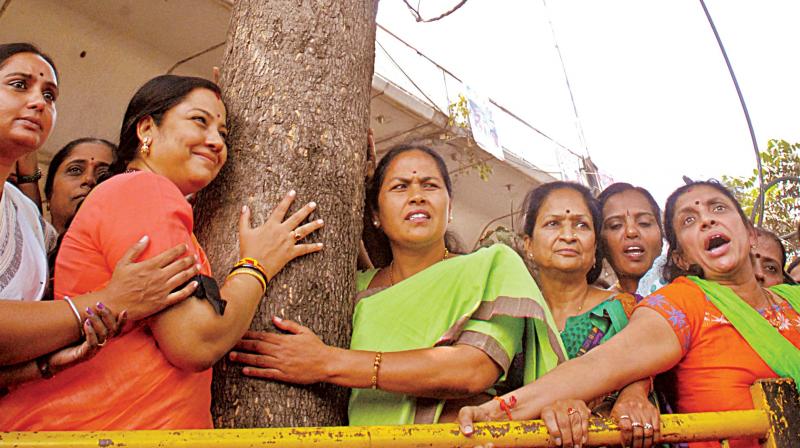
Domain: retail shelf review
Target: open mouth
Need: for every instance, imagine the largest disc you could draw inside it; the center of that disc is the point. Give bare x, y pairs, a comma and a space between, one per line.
633, 251
716, 242
418, 216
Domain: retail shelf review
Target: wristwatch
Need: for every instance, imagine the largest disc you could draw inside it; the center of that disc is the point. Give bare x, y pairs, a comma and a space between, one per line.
30, 179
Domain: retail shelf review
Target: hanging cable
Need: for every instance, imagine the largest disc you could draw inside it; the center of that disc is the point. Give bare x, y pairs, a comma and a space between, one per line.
495, 103
409, 78
578, 125
760, 204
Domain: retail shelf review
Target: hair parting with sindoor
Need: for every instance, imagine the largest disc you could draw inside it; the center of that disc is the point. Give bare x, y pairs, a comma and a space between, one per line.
374, 239
671, 270
536, 197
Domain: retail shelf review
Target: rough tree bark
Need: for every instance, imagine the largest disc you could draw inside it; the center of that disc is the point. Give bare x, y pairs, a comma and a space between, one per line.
296, 79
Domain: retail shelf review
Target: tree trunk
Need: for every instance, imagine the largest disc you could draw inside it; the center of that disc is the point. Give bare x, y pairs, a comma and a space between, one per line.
296, 79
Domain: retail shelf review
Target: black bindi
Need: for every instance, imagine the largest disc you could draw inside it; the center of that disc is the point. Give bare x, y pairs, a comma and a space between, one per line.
696, 202
567, 211
758, 255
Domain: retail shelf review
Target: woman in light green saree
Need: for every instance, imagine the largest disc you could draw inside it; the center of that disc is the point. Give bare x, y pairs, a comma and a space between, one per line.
431, 330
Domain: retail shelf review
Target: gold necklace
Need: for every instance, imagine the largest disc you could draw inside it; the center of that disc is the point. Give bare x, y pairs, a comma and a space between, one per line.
391, 266
583, 302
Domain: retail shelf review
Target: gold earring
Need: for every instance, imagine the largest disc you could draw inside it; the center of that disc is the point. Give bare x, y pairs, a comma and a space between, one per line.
145, 147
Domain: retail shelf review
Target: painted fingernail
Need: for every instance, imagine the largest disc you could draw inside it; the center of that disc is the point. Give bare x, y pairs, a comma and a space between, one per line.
468, 429
319, 221
100, 306
232, 356
320, 244
277, 319
312, 204
89, 311
194, 284
292, 192
244, 209
144, 239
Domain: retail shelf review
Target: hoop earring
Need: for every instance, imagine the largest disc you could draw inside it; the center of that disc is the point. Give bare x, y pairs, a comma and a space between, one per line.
145, 147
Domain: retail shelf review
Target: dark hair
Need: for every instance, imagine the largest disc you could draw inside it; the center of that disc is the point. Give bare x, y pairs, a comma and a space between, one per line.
671, 271
153, 99
775, 238
621, 187
375, 240
63, 153
8, 50
536, 197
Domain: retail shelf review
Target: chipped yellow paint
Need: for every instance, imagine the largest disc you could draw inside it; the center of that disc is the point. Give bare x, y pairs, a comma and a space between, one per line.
760, 402
678, 427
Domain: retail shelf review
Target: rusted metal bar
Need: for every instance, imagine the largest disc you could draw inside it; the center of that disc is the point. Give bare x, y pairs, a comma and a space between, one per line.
678, 427
780, 399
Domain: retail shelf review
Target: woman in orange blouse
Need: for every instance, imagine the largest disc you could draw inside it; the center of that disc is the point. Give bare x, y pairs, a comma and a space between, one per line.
714, 329
157, 374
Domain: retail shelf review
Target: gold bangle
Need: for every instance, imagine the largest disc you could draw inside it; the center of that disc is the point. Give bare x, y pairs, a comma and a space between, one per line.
252, 274
376, 365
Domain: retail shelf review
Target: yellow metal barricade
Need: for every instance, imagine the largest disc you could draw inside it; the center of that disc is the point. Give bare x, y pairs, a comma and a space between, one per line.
773, 422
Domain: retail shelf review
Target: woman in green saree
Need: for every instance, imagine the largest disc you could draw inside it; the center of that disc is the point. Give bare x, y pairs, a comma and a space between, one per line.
431, 330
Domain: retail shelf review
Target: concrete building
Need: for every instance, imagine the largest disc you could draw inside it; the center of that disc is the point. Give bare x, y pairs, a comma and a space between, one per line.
106, 49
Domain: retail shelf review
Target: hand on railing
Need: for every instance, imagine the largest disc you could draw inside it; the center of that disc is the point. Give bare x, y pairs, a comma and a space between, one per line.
638, 420
567, 422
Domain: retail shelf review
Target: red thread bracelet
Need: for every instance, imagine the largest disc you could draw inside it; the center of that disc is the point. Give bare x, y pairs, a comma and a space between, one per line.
506, 407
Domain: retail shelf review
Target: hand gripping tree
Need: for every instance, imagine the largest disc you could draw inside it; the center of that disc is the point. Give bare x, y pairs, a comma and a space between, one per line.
296, 78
